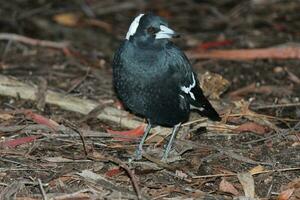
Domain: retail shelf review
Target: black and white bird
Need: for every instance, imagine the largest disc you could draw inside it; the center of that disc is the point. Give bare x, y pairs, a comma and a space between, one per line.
154, 79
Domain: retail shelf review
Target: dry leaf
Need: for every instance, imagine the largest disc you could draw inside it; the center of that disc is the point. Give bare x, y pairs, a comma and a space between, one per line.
113, 172
251, 127
5, 116
290, 191
98, 155
18, 141
213, 85
256, 170
42, 120
89, 175
294, 183
247, 182
225, 186
137, 132
181, 174
286, 194
67, 19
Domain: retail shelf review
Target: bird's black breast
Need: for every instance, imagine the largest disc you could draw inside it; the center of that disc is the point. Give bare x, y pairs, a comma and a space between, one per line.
148, 85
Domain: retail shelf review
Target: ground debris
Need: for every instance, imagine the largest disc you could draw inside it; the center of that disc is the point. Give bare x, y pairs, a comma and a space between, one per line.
64, 135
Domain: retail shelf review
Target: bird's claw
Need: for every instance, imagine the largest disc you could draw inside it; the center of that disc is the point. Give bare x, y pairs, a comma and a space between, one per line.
138, 154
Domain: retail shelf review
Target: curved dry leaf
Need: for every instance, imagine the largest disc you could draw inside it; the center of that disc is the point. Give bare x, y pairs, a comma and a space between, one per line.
286, 194
247, 182
226, 186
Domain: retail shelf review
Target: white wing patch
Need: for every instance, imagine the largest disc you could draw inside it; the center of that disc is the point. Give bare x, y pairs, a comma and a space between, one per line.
188, 89
133, 26
197, 108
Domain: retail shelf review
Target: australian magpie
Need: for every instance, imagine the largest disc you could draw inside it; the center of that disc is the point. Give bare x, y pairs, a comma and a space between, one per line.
154, 79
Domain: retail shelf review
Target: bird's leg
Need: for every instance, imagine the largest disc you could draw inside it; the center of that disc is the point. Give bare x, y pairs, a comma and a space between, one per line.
138, 152
174, 131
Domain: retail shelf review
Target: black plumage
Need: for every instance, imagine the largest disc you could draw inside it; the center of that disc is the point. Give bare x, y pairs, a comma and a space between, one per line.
154, 79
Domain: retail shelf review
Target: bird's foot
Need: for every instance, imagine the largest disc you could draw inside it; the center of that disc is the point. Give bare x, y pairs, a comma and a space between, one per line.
171, 159
138, 154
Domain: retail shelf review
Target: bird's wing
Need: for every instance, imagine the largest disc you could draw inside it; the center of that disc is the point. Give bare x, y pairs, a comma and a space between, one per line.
189, 84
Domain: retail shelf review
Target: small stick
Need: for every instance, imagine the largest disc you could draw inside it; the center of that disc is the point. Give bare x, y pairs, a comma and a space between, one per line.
83, 141
42, 190
213, 175
41, 94
277, 106
77, 130
79, 82
130, 174
32, 41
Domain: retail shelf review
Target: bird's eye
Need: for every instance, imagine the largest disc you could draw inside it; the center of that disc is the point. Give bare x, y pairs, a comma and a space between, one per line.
151, 30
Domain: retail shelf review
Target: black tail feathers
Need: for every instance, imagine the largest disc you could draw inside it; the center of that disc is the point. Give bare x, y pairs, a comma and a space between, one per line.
207, 110
203, 106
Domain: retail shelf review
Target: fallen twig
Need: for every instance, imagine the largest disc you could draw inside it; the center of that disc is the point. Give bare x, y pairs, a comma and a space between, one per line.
264, 89
42, 87
275, 106
242, 158
62, 131
77, 130
32, 41
42, 190
260, 172
248, 54
130, 174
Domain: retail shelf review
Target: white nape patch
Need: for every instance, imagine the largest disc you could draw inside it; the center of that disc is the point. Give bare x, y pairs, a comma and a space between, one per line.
188, 89
133, 26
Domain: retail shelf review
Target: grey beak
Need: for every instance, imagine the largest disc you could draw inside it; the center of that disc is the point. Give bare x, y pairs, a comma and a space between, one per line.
166, 33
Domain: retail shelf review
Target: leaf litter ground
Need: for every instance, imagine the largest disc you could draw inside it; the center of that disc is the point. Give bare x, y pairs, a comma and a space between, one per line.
50, 152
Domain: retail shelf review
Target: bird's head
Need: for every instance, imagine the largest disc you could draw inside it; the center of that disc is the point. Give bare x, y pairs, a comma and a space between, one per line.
149, 27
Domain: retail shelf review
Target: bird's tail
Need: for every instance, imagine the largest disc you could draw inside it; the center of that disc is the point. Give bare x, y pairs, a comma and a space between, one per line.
203, 106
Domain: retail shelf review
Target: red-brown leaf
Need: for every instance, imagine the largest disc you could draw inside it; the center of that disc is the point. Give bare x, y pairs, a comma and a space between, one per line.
286, 194
39, 119
19, 141
251, 127
113, 172
137, 132
225, 186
